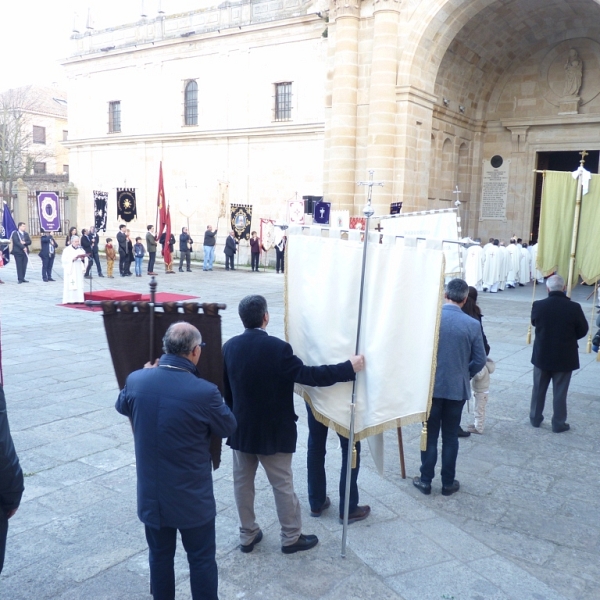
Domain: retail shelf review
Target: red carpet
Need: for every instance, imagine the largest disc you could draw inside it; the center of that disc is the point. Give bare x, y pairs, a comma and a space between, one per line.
121, 296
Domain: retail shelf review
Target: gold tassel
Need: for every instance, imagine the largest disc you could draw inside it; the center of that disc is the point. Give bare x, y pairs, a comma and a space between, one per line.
529, 334
424, 437
589, 344
354, 456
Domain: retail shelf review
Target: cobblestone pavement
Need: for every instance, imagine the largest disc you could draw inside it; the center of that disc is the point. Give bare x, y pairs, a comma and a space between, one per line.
523, 526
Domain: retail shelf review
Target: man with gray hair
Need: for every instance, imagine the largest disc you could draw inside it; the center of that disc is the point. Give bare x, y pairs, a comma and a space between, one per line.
173, 413
74, 261
460, 356
558, 323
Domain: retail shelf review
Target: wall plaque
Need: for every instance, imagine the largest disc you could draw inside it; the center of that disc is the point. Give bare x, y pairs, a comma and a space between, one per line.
494, 191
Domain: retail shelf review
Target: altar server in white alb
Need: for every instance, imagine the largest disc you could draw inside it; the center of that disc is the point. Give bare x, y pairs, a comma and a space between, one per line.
474, 263
525, 266
74, 262
491, 269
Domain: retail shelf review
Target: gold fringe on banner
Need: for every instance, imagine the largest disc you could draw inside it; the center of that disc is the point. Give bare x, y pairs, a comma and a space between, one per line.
354, 456
532, 301
424, 437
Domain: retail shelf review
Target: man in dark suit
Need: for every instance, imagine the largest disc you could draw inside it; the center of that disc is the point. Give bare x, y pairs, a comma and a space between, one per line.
11, 477
95, 239
230, 250
185, 250
20, 250
86, 244
47, 254
173, 413
558, 323
122, 242
259, 376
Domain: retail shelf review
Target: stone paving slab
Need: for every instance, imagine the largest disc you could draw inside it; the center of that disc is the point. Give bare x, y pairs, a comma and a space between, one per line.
524, 525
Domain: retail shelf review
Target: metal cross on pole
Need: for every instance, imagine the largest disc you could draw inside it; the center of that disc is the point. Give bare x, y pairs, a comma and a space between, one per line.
458, 193
368, 213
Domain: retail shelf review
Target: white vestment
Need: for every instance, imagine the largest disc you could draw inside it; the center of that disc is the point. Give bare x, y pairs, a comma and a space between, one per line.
73, 274
504, 266
491, 268
536, 273
525, 267
474, 267
514, 259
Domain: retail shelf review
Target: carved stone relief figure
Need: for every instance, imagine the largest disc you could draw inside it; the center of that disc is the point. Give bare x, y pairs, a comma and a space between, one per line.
573, 74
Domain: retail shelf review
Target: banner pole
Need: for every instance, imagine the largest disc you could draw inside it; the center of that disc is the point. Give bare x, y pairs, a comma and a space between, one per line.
368, 213
576, 224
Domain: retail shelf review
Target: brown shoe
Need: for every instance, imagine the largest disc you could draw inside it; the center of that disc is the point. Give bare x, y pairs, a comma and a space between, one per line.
361, 513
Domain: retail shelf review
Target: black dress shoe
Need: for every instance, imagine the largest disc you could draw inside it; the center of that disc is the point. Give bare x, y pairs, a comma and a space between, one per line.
448, 490
424, 488
100, 275
361, 513
305, 542
561, 428
536, 423
462, 432
188, 270
180, 270
249, 547
326, 505
24, 281
51, 279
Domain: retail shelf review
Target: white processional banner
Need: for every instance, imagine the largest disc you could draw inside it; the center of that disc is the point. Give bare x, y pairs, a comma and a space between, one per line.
435, 224
400, 321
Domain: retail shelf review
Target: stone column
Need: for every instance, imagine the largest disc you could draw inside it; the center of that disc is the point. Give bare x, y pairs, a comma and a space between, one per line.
381, 138
71, 204
21, 207
342, 139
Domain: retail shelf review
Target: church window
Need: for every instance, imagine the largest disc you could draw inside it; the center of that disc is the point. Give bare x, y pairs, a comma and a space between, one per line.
114, 117
283, 101
191, 103
39, 135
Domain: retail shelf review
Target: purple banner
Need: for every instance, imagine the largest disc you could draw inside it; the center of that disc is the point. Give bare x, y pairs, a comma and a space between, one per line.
49, 210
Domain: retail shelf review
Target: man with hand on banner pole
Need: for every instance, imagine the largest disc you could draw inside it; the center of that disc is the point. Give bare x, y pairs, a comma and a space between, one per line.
47, 254
20, 250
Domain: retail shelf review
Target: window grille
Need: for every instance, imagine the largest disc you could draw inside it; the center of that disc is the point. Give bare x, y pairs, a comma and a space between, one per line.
191, 103
283, 101
114, 116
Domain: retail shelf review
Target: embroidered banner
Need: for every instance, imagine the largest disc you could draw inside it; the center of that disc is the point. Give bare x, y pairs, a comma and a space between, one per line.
395, 208
126, 205
100, 206
267, 233
358, 223
296, 209
322, 212
241, 218
48, 210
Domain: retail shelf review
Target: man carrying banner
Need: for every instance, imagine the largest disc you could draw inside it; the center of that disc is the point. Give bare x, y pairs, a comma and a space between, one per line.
151, 243
460, 356
20, 250
209, 248
259, 375
47, 254
558, 323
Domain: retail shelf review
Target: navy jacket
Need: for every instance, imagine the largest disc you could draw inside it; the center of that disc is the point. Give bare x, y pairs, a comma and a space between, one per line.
230, 248
45, 242
11, 475
460, 356
173, 413
558, 323
259, 376
20, 248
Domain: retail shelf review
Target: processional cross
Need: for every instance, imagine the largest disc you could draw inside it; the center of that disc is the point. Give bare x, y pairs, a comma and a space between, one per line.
368, 210
458, 193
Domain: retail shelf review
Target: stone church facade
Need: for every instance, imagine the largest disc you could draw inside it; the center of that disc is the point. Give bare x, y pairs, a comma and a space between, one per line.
433, 95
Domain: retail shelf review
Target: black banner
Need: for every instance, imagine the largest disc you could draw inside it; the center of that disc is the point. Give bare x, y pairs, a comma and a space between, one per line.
241, 219
100, 206
395, 208
126, 205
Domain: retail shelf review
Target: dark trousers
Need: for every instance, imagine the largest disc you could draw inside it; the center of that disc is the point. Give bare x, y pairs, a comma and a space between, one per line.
151, 259
560, 387
96, 257
3, 534
21, 264
445, 415
47, 264
123, 263
187, 256
280, 262
200, 546
254, 260
229, 262
315, 464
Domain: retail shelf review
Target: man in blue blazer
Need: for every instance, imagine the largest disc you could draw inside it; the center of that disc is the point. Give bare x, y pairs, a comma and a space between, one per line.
47, 254
558, 323
259, 376
460, 356
173, 414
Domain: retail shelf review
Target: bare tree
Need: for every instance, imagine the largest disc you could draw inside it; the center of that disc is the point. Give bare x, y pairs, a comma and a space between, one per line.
17, 153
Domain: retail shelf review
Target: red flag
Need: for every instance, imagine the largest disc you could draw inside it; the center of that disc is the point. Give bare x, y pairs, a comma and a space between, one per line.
167, 251
161, 203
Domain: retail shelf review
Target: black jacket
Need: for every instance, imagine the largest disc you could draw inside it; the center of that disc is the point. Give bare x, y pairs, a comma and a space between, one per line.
20, 247
86, 243
230, 244
184, 242
11, 476
122, 240
46, 241
209, 237
558, 323
259, 376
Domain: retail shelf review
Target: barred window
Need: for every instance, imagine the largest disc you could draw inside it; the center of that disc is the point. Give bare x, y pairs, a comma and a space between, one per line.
39, 135
283, 101
39, 168
114, 117
191, 103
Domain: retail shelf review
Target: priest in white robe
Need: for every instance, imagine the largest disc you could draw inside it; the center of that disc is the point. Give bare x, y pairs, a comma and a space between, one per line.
525, 266
491, 268
514, 262
504, 265
474, 262
536, 273
74, 262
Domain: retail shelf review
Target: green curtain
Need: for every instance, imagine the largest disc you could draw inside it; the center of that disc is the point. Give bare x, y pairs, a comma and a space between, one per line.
559, 194
588, 240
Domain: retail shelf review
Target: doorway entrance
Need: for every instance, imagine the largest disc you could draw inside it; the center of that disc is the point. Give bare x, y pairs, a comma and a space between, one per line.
557, 161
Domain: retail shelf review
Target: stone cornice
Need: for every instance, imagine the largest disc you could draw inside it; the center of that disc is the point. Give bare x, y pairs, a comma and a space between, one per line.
550, 120
195, 135
344, 8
